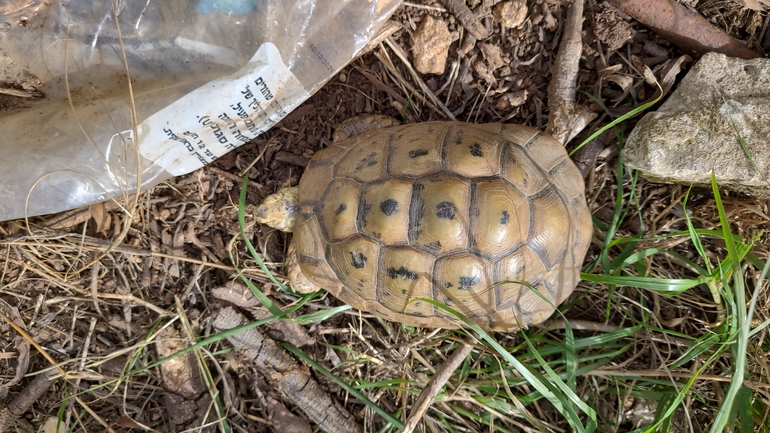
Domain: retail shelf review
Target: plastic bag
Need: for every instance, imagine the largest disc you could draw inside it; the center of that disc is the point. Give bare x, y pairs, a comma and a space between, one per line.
206, 77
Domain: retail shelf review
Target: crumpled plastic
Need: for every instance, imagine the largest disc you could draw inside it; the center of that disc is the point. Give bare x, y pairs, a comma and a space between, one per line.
70, 139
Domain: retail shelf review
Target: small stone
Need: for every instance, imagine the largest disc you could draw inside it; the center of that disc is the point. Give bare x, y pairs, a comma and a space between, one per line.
692, 133
430, 46
511, 14
493, 55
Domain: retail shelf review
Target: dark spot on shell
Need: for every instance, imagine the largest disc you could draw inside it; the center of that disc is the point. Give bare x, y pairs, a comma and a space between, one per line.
368, 161
446, 210
389, 207
448, 285
340, 209
458, 138
403, 291
358, 260
467, 282
402, 272
418, 152
505, 218
476, 150
435, 246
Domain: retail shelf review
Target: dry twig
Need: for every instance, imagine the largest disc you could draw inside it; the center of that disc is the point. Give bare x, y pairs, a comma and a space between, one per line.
287, 375
566, 118
460, 10
436, 383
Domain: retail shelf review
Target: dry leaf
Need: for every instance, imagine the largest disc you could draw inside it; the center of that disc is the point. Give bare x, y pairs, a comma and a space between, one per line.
610, 70
101, 217
624, 82
670, 70
751, 4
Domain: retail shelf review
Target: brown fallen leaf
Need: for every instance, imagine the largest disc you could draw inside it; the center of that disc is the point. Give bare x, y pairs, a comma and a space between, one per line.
129, 423
283, 420
624, 82
101, 217
683, 27
670, 70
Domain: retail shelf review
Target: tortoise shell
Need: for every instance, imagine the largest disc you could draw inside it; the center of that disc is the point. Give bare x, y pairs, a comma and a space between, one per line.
459, 213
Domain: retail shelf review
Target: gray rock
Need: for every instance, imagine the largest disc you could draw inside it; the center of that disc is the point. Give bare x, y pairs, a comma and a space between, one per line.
691, 134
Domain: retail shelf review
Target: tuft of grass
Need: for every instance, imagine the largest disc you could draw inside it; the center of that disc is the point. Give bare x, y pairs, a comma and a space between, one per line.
578, 378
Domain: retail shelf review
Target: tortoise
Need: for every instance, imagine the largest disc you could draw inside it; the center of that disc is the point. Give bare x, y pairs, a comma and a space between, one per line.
489, 220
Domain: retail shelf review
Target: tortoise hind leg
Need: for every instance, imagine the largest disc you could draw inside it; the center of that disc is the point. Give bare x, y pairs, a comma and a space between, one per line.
298, 281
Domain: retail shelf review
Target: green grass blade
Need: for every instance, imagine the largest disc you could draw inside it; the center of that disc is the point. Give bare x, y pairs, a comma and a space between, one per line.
691, 230
746, 152
623, 118
671, 408
742, 327
553, 388
321, 315
242, 224
352, 390
665, 286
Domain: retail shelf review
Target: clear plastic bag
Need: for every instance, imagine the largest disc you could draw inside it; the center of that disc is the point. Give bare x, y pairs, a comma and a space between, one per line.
206, 76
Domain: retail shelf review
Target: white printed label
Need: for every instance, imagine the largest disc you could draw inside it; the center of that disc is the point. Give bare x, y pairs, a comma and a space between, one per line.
221, 115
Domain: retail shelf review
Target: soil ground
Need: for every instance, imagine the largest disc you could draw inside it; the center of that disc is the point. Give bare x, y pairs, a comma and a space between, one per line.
114, 307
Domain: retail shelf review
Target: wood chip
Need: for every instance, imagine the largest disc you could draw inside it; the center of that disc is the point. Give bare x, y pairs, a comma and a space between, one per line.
467, 18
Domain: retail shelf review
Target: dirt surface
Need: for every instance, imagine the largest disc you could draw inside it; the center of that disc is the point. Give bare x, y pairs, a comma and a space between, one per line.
99, 315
